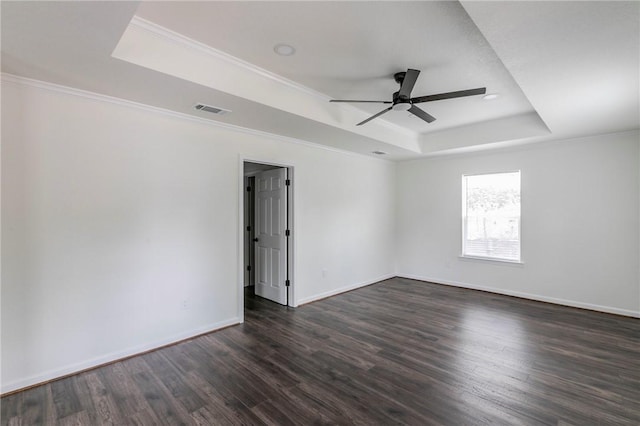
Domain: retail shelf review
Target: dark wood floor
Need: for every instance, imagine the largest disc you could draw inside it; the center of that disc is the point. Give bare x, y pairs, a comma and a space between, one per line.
397, 352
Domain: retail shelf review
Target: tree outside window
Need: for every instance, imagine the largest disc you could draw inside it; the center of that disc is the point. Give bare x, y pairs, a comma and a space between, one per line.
491, 216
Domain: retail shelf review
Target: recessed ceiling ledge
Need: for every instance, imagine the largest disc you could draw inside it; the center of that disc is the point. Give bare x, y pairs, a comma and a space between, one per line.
514, 128
151, 46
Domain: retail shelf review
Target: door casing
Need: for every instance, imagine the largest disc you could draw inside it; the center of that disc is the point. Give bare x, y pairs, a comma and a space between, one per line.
291, 257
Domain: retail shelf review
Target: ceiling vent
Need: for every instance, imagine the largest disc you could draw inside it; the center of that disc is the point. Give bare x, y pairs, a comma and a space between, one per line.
211, 109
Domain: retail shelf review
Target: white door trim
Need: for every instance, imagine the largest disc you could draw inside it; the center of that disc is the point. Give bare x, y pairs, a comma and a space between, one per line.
291, 207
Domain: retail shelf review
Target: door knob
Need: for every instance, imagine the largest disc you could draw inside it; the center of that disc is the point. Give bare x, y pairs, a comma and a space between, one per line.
255, 240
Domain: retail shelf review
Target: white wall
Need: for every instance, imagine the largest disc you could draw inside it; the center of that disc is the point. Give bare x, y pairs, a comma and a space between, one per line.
580, 222
113, 216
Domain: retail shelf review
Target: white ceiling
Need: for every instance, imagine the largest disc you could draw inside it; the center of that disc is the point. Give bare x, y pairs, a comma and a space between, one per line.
563, 69
351, 51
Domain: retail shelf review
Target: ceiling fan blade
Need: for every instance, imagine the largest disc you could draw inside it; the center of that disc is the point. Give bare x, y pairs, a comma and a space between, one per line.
449, 95
421, 114
407, 84
353, 100
374, 116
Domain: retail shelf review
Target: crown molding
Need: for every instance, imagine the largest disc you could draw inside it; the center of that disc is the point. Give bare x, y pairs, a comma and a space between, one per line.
184, 41
53, 87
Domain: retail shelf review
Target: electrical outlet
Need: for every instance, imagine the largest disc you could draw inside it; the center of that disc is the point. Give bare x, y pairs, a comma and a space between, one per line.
184, 305
324, 273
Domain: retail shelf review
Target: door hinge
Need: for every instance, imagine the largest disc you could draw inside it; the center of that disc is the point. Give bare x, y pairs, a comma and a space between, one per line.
248, 267
248, 189
287, 283
287, 182
287, 233
248, 228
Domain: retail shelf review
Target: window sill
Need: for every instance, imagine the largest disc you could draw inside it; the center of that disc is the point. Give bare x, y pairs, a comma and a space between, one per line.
490, 259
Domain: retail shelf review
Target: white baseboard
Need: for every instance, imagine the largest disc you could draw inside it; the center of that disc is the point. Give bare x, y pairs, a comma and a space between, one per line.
114, 356
111, 357
330, 293
557, 301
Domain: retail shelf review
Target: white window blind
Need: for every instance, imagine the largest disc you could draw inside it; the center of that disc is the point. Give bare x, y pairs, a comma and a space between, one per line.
491, 216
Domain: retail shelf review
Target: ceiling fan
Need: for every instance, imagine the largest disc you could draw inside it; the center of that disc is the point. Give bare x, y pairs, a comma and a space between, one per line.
402, 100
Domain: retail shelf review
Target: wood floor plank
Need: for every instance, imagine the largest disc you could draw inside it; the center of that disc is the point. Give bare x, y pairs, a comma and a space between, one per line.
106, 410
123, 390
65, 398
222, 404
170, 376
79, 418
204, 417
167, 409
398, 352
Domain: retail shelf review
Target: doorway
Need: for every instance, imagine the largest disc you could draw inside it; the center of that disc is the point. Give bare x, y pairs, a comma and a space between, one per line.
267, 231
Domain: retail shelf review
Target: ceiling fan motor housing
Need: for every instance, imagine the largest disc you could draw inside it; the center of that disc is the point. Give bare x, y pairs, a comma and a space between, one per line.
397, 99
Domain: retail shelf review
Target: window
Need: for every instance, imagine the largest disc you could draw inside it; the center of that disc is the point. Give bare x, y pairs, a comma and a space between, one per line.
491, 216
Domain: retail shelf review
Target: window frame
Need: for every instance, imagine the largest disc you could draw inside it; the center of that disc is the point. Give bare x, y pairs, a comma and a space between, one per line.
463, 255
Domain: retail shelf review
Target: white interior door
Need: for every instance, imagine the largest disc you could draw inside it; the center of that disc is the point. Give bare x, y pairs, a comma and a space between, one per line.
271, 224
